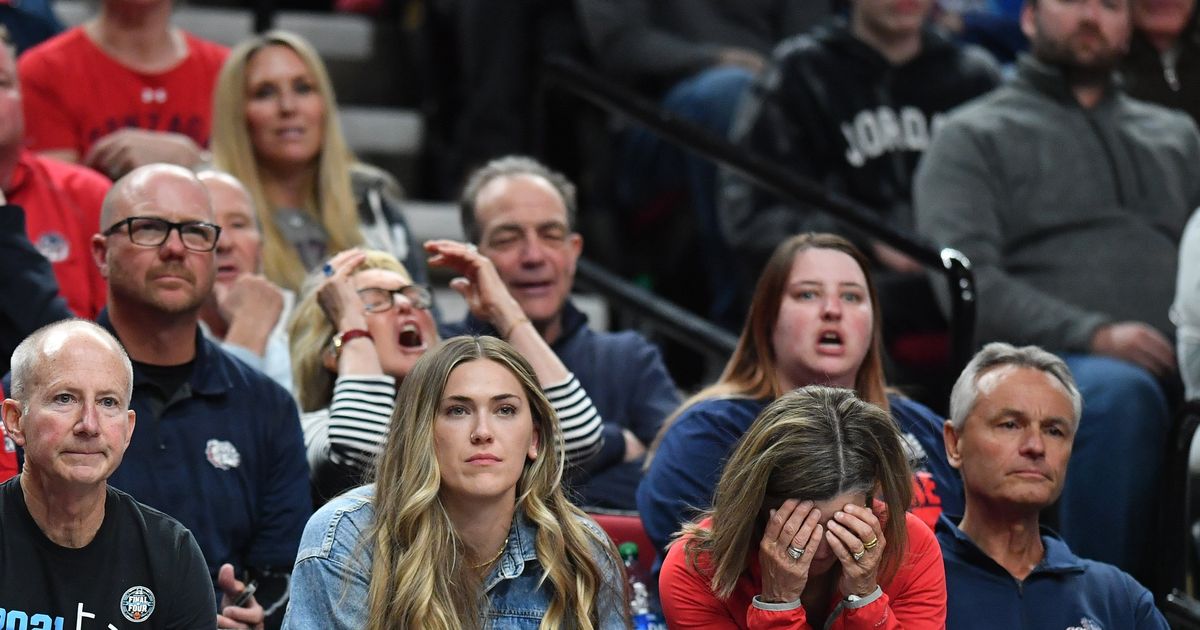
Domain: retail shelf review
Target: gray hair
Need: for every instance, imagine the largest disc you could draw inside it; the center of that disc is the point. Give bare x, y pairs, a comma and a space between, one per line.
511, 166
26, 359
998, 354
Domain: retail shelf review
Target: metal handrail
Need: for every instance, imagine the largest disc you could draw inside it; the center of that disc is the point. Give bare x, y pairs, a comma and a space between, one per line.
686, 327
582, 83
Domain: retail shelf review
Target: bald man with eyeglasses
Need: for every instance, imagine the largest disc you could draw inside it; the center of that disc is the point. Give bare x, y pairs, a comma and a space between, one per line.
218, 444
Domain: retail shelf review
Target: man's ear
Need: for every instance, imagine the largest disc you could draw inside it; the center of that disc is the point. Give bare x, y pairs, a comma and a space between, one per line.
13, 421
1029, 20
132, 425
99, 253
950, 437
575, 241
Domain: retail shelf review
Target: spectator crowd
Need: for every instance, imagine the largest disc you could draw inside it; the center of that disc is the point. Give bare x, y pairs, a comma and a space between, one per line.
231, 401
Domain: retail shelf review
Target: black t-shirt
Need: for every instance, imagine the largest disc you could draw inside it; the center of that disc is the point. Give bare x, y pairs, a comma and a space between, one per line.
142, 571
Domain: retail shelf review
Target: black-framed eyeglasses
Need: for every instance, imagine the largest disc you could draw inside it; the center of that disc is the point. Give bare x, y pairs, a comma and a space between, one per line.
378, 300
198, 236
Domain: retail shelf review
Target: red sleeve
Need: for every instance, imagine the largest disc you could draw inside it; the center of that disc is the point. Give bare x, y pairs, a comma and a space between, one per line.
688, 600
916, 598
8, 451
88, 188
48, 120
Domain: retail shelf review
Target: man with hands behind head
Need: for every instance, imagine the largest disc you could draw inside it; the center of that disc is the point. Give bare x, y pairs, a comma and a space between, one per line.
71, 547
1014, 413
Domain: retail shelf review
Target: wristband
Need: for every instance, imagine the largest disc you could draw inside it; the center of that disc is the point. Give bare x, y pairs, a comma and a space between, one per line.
758, 603
858, 601
341, 338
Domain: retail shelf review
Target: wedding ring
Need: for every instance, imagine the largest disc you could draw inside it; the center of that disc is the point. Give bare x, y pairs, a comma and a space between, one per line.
871, 544
795, 552
859, 554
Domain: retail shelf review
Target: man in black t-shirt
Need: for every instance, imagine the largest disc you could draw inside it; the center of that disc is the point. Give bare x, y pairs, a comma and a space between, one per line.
75, 553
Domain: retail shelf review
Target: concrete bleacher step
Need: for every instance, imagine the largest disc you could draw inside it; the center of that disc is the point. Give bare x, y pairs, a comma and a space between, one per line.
336, 36
385, 131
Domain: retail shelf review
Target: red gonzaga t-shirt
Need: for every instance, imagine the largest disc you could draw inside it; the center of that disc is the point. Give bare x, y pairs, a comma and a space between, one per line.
75, 94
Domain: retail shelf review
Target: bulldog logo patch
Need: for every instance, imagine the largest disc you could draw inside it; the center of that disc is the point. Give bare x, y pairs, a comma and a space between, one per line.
222, 455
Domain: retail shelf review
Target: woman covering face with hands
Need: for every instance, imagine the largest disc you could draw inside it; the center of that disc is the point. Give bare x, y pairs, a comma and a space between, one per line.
795, 537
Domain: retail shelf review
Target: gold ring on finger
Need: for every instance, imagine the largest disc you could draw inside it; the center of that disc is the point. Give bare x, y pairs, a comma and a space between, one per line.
871, 544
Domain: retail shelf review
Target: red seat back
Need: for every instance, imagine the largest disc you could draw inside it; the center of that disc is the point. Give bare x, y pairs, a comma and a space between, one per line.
628, 528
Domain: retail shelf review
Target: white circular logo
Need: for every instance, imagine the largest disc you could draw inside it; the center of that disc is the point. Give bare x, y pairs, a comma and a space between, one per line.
137, 604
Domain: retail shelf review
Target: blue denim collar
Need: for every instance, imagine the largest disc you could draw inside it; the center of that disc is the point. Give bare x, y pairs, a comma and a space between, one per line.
522, 536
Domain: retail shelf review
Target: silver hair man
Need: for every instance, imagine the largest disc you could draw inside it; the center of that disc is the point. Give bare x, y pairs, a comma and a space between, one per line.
999, 354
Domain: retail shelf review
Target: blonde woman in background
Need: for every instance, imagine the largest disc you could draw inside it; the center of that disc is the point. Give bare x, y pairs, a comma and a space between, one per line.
276, 128
466, 525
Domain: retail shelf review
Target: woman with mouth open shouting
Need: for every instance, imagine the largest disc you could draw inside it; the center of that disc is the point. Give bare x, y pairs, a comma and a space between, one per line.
814, 320
359, 328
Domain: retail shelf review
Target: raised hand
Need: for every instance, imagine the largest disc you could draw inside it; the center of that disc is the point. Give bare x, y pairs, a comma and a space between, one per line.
479, 284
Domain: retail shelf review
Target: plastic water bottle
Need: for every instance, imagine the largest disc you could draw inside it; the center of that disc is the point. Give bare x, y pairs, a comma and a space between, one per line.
639, 603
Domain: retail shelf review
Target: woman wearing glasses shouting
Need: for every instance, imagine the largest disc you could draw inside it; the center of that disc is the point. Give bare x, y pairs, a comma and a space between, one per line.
360, 326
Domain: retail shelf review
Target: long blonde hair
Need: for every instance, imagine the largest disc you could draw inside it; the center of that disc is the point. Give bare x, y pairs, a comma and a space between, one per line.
330, 201
310, 334
420, 576
751, 371
813, 443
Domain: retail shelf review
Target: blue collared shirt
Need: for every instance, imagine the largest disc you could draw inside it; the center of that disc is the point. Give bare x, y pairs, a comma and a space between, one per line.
225, 456
332, 574
1062, 592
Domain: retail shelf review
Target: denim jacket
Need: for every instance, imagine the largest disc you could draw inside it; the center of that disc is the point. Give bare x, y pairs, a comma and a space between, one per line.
330, 580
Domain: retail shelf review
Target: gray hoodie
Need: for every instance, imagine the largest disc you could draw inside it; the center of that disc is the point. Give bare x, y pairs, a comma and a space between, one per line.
1071, 217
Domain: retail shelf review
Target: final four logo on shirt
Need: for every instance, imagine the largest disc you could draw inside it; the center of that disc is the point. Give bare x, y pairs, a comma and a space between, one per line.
137, 604
222, 454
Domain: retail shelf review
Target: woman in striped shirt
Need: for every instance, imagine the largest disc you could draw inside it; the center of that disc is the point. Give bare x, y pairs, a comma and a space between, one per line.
359, 327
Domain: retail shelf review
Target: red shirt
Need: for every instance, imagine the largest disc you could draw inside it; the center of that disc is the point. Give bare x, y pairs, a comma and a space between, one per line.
8, 451
62, 212
914, 598
74, 93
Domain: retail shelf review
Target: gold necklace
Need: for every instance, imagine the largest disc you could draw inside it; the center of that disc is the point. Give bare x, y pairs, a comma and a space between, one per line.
495, 557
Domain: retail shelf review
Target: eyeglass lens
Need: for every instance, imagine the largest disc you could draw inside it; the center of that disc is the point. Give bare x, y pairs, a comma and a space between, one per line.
376, 299
154, 232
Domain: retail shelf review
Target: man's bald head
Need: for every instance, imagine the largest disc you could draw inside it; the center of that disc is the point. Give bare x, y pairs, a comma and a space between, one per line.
40, 348
130, 189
